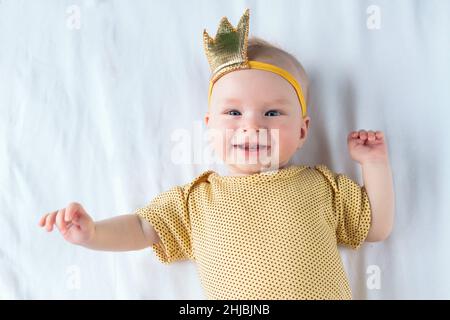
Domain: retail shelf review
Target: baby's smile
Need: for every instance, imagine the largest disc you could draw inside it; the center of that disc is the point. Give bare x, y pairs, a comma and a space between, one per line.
252, 150
251, 147
251, 144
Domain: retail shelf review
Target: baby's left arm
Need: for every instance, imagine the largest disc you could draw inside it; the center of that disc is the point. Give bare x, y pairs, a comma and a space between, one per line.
370, 150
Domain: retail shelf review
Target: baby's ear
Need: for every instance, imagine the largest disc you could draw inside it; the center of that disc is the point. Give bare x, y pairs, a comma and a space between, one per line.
305, 127
307, 121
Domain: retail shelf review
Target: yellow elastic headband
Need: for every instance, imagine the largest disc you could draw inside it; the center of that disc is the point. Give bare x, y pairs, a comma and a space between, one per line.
272, 68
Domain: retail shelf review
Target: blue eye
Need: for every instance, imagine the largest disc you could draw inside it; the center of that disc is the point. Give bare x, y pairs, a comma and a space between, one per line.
273, 113
233, 113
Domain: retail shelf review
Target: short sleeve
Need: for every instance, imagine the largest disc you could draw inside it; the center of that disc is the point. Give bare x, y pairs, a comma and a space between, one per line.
169, 216
351, 208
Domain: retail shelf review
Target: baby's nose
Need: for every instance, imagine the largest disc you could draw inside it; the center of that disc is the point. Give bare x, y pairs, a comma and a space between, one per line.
252, 124
247, 129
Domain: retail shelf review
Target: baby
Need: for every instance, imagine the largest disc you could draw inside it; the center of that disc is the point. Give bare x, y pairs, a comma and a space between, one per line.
269, 229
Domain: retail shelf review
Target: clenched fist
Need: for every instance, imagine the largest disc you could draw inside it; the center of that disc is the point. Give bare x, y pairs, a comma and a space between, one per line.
367, 146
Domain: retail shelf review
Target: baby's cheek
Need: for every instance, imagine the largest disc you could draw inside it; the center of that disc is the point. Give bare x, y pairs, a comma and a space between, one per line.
222, 146
216, 141
288, 142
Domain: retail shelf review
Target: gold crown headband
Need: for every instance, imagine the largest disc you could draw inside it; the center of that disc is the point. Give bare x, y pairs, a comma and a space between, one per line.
227, 52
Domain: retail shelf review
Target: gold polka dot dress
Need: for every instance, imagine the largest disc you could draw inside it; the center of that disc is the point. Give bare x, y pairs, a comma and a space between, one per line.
269, 235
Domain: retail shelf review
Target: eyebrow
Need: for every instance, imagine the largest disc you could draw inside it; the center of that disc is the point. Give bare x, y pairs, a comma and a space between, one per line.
279, 101
234, 101
230, 101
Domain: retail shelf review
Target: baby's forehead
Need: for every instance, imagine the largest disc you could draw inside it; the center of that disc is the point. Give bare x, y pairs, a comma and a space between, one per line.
257, 83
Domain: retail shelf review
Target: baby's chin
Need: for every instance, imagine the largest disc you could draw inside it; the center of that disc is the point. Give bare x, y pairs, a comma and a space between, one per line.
246, 164
248, 169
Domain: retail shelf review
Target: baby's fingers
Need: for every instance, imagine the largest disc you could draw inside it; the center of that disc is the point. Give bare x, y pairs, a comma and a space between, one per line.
42, 220
371, 135
73, 211
363, 134
354, 138
50, 221
60, 223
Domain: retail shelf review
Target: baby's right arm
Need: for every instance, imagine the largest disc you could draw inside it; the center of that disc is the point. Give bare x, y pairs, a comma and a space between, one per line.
121, 233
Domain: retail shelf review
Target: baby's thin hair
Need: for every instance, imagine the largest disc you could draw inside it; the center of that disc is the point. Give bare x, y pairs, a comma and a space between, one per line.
262, 50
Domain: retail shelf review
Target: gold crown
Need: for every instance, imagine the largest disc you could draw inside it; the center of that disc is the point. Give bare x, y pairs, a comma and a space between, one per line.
228, 50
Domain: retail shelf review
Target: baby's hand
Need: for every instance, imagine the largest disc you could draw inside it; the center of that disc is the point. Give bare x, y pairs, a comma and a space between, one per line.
73, 222
367, 146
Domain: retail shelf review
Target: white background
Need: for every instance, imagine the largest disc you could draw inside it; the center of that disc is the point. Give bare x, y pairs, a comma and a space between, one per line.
87, 114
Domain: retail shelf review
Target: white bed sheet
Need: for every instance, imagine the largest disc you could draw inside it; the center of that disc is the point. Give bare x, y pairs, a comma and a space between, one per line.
86, 114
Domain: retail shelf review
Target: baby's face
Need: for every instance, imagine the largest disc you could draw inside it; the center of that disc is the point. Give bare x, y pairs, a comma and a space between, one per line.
256, 121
